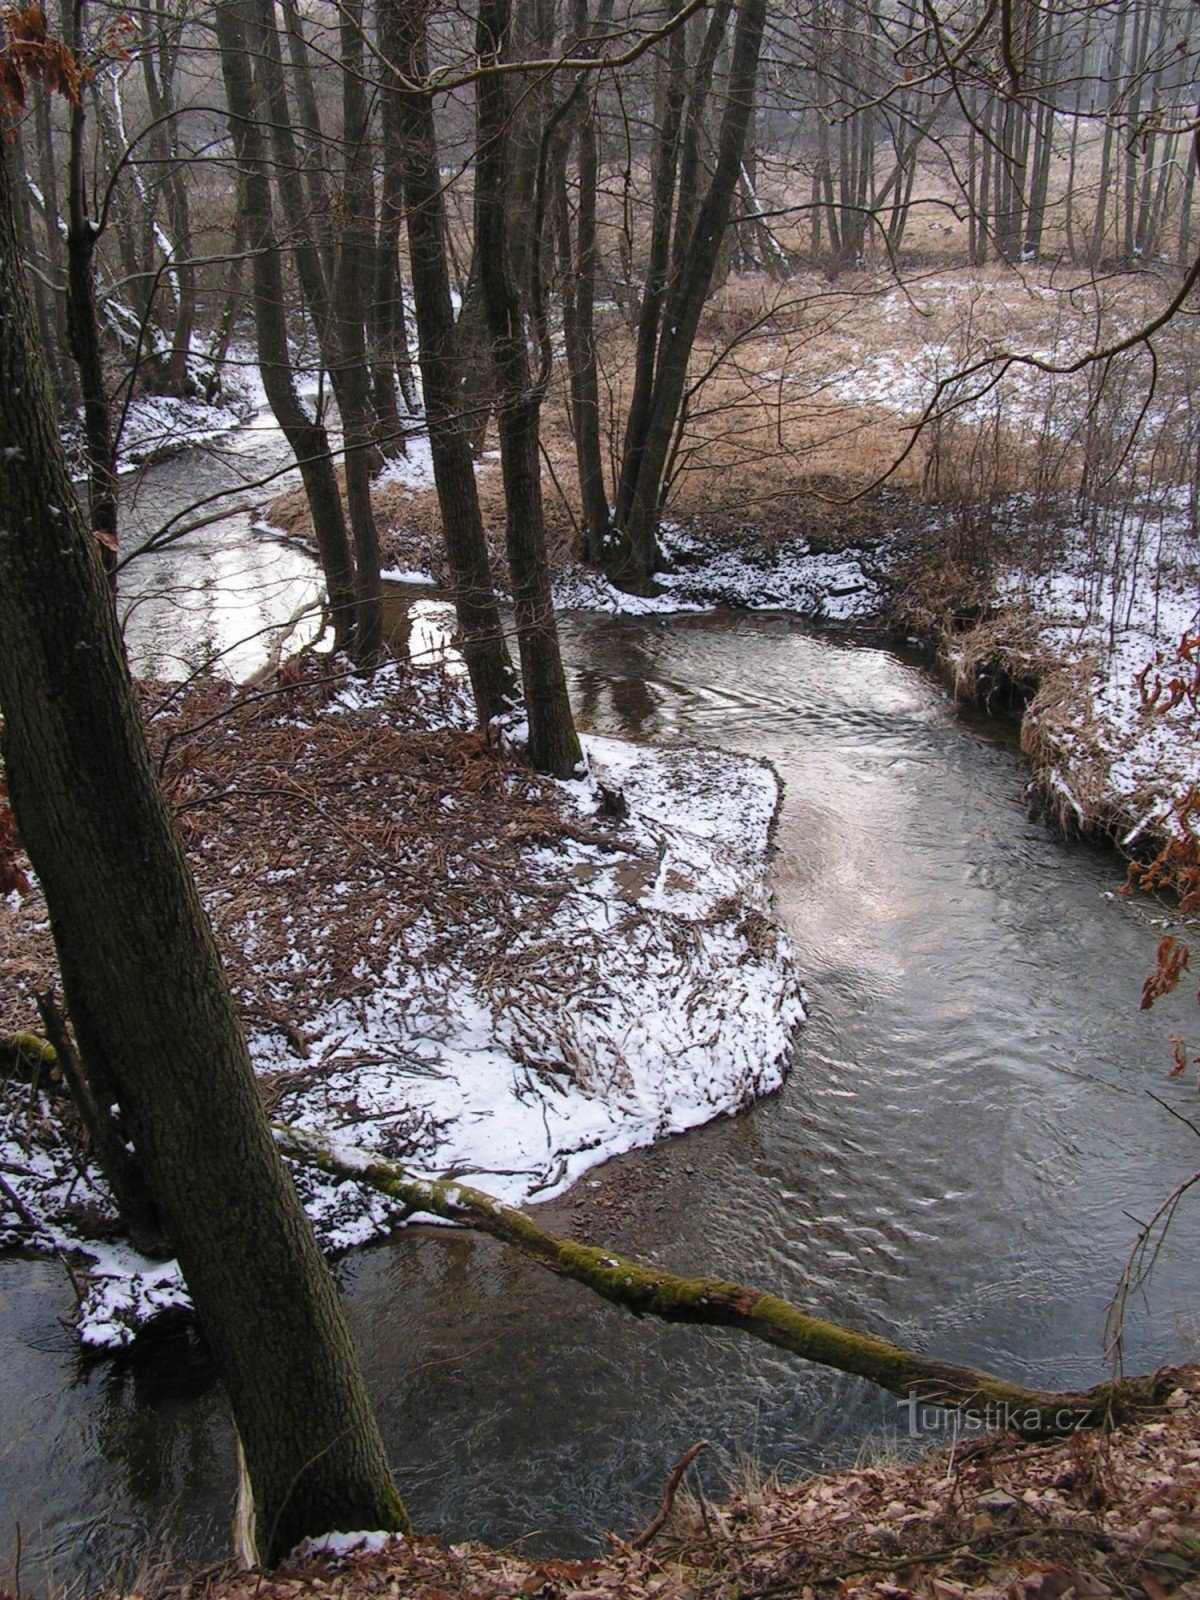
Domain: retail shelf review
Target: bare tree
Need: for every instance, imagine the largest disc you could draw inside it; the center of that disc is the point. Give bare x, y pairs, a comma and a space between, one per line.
148, 1001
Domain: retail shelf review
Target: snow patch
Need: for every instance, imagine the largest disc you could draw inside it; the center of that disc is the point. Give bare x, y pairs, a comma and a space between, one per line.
646, 991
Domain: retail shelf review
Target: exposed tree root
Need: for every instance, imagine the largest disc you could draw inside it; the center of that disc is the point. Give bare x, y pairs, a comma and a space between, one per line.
649, 1291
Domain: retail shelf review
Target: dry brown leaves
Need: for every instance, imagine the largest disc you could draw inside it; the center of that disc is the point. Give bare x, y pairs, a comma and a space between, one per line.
339, 839
1086, 1518
324, 843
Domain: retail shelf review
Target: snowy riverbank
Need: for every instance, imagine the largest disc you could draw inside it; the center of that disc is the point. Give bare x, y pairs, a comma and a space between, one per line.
1085, 632
445, 959
1071, 616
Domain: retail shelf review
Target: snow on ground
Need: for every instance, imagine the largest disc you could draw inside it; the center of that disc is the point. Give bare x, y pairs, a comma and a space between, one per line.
414, 469
158, 425
1120, 600
648, 994
832, 585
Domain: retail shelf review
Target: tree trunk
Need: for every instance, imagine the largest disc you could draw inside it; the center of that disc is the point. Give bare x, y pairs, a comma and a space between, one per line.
718, 1303
83, 333
308, 123
686, 301
669, 117
481, 635
354, 392
579, 311
145, 989
305, 434
336, 304
159, 59
52, 215
553, 743
391, 335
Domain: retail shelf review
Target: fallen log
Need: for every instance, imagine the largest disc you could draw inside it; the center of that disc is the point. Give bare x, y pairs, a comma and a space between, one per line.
25, 1057
649, 1291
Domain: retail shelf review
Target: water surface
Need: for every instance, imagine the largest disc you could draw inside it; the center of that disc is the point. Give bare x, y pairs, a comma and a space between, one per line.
955, 1160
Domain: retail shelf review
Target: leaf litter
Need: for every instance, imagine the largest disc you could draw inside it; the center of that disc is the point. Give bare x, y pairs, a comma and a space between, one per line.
437, 954
1090, 1517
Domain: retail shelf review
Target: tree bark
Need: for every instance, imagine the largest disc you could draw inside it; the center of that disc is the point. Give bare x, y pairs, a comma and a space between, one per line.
354, 390
145, 989
83, 334
669, 117
717, 1302
65, 379
579, 310
553, 743
305, 434
481, 634
686, 303
160, 55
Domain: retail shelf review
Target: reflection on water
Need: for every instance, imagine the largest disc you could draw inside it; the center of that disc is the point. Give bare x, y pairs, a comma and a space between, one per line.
431, 633
954, 1160
221, 593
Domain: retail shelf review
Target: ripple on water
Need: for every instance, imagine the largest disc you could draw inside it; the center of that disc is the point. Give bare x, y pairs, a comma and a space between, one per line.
954, 1160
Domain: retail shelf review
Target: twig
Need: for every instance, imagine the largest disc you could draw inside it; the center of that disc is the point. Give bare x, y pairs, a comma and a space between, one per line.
654, 1526
21, 1210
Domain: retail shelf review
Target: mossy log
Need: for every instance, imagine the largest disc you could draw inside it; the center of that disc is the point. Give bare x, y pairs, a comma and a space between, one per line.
650, 1291
25, 1056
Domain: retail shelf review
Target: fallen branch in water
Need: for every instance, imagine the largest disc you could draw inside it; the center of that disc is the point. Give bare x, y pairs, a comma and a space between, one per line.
649, 1291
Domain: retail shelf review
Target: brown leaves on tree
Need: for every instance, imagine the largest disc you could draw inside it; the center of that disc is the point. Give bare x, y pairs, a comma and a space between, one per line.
29, 52
1183, 682
1165, 684
1171, 962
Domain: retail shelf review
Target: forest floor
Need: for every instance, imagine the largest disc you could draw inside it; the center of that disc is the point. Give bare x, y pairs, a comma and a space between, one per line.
1089, 1517
437, 954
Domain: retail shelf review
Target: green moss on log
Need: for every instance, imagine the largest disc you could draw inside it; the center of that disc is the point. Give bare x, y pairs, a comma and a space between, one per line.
25, 1056
718, 1302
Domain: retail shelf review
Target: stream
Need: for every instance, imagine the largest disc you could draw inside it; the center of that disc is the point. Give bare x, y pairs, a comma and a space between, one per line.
955, 1160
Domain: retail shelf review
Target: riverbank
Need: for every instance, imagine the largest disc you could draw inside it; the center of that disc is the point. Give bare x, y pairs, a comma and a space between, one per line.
1027, 610
437, 955
1085, 1518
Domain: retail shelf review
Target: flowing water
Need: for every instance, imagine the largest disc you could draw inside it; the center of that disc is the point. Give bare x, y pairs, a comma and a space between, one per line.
955, 1160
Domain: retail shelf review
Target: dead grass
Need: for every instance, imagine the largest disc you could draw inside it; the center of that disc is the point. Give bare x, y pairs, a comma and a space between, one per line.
806, 394
810, 392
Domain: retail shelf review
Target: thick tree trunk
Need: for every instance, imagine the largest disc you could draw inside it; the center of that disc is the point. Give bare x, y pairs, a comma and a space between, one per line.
337, 303
40, 284
145, 989
55, 252
669, 118
352, 280
83, 333
481, 635
579, 308
716, 1302
553, 743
